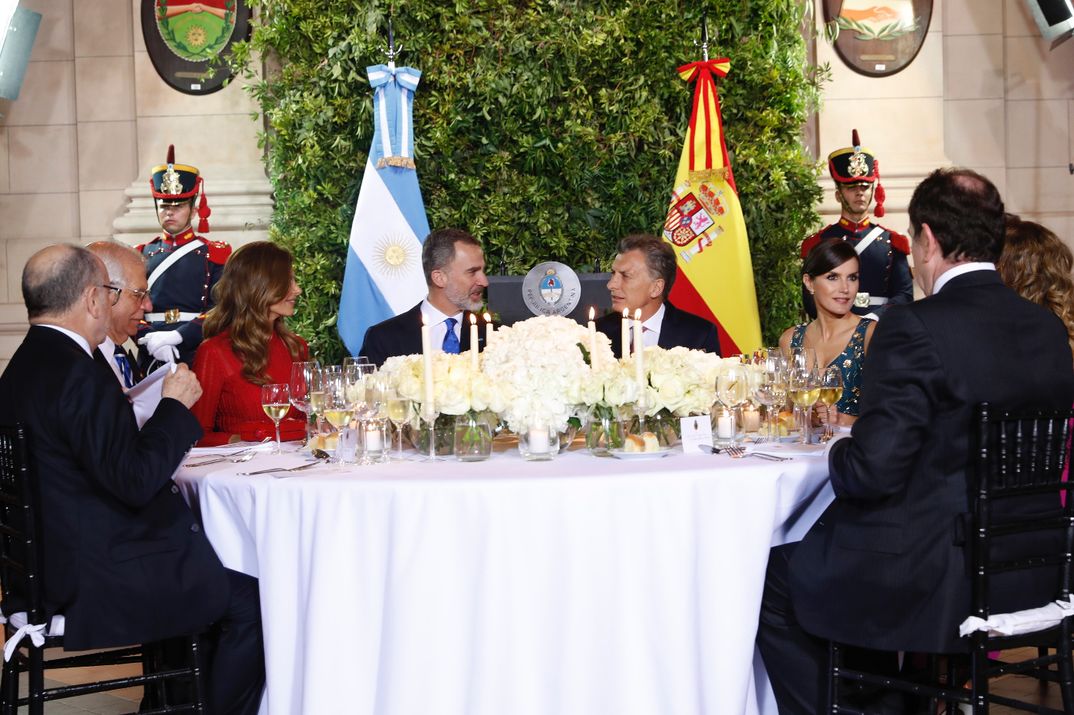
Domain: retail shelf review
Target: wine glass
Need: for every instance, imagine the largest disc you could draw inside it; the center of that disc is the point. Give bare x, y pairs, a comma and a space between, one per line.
276, 401
732, 389
357, 381
338, 409
803, 357
804, 389
301, 380
398, 408
831, 391
770, 388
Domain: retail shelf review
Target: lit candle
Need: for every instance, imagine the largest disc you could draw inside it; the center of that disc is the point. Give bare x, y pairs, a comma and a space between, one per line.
639, 358
539, 442
751, 419
592, 336
624, 352
489, 329
373, 442
473, 342
725, 424
427, 368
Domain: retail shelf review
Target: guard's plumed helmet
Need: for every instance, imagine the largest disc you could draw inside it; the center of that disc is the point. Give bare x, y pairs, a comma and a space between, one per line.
857, 165
172, 183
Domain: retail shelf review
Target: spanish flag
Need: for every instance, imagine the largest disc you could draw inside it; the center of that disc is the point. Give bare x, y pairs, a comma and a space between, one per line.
705, 225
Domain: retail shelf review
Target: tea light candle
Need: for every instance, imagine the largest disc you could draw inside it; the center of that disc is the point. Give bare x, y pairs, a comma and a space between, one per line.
592, 335
725, 425
539, 442
373, 441
427, 368
751, 418
624, 351
489, 329
473, 342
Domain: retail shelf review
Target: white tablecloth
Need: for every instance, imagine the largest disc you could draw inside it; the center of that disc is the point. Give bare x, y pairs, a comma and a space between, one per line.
575, 587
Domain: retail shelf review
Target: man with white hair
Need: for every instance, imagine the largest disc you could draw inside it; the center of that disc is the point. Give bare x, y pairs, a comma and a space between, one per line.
126, 274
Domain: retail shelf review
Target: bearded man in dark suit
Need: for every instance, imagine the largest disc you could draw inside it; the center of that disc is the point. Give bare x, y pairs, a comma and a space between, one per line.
454, 267
124, 558
885, 568
642, 275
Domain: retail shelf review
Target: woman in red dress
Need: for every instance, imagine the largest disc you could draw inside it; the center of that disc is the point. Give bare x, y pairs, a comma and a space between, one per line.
247, 345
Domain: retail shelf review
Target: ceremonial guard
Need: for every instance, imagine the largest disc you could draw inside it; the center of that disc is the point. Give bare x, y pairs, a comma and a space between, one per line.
885, 277
182, 266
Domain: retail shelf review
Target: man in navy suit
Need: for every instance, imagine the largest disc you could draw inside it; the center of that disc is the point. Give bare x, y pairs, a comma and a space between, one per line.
885, 567
642, 275
454, 266
124, 558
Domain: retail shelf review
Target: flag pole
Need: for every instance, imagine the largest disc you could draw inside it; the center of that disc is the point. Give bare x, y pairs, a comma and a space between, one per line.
392, 51
704, 35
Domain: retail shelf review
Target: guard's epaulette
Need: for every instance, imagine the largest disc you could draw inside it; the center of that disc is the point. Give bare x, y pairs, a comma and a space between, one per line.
900, 242
142, 246
218, 251
807, 245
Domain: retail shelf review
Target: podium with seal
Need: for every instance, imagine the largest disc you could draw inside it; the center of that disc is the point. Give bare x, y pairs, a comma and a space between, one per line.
550, 288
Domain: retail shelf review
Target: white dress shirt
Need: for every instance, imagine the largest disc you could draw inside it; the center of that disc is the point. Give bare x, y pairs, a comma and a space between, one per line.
437, 325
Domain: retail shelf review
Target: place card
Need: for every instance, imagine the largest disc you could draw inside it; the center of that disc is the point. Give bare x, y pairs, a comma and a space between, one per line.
696, 430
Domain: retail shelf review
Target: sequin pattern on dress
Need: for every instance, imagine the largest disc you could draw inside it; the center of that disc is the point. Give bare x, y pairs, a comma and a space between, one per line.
849, 362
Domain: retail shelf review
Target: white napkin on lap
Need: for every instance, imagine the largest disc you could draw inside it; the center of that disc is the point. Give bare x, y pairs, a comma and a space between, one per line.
1013, 624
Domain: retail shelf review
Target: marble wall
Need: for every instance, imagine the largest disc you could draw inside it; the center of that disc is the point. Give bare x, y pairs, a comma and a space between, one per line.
76, 147
91, 119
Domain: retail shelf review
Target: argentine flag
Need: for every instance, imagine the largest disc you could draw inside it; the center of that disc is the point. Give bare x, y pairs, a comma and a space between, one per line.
383, 276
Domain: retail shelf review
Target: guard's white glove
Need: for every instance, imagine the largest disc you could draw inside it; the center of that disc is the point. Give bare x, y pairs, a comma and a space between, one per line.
161, 344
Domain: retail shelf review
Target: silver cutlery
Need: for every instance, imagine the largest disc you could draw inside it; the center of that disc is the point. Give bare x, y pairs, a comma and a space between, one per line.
236, 458
320, 455
737, 452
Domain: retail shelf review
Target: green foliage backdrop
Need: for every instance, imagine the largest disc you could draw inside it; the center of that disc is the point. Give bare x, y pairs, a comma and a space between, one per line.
547, 128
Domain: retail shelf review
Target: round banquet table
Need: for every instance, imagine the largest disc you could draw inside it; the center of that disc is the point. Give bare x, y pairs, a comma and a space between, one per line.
577, 586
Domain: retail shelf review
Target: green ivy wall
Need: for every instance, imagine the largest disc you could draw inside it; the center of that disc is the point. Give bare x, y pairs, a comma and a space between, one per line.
548, 129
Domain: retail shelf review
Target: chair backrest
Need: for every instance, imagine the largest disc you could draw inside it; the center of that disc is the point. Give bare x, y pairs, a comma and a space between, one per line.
20, 578
1023, 509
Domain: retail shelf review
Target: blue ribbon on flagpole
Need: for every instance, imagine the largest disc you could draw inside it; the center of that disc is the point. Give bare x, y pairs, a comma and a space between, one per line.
393, 112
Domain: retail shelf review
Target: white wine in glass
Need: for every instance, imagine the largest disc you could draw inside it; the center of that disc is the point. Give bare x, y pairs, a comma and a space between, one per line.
398, 409
276, 401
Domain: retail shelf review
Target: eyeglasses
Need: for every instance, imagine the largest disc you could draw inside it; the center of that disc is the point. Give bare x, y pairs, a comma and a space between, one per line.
115, 292
138, 293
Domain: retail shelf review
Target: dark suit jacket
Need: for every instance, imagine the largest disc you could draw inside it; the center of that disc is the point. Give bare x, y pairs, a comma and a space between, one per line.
678, 329
884, 566
125, 560
401, 335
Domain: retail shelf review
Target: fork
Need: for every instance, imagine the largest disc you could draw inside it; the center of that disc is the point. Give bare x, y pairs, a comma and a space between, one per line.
739, 452
238, 457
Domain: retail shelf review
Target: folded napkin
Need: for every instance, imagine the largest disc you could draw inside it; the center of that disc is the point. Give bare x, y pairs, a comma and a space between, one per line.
1019, 622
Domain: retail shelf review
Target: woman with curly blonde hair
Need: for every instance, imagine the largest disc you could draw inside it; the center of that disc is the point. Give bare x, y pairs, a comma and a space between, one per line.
1038, 265
247, 344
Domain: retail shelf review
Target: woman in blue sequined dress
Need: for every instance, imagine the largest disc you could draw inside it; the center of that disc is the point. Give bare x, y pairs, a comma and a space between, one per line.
839, 337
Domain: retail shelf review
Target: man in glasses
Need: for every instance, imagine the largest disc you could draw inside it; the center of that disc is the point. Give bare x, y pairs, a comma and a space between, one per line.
182, 267
129, 293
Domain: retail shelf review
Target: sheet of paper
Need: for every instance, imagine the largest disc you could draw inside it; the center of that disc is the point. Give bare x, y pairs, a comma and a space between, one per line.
145, 396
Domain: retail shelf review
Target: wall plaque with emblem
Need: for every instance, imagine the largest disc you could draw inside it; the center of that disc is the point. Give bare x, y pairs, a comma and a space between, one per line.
183, 38
878, 38
551, 288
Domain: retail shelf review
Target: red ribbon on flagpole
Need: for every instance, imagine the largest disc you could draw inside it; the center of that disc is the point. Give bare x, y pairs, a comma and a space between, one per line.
705, 96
